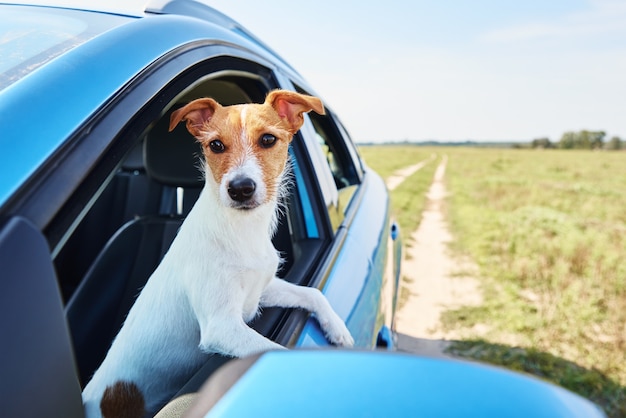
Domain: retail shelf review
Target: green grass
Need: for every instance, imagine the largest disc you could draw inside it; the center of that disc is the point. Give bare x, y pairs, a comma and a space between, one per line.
589, 383
386, 159
409, 197
547, 230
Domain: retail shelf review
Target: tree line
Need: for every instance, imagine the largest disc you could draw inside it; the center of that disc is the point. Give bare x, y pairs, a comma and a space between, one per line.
581, 140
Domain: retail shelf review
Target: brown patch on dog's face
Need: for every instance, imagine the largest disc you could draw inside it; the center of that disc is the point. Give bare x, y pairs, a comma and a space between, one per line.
220, 142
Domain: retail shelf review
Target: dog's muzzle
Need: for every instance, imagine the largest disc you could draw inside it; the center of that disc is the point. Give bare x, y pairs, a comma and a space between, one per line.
241, 190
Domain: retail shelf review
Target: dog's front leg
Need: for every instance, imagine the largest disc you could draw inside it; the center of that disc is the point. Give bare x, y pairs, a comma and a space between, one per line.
283, 294
232, 336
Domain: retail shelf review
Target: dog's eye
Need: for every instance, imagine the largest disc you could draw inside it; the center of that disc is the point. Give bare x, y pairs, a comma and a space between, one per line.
217, 146
267, 140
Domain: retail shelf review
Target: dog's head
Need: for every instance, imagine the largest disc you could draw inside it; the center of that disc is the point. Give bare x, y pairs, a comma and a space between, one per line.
246, 146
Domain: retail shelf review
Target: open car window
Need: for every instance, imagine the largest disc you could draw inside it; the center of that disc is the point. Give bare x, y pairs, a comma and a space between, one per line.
160, 176
113, 231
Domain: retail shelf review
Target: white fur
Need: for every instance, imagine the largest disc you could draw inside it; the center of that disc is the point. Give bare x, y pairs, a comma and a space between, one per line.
247, 166
218, 272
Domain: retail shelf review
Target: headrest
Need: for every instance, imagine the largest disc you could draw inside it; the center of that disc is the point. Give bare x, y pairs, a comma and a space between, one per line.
173, 158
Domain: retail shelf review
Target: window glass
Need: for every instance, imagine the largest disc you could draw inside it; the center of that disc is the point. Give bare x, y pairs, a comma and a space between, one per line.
334, 147
354, 155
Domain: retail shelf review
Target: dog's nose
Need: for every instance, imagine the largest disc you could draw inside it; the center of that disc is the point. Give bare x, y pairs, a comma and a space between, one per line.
241, 189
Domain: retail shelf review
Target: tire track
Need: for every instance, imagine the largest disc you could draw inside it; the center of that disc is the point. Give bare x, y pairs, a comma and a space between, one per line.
431, 278
396, 179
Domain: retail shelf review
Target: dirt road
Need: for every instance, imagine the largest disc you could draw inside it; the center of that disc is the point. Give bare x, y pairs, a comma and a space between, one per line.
398, 177
433, 278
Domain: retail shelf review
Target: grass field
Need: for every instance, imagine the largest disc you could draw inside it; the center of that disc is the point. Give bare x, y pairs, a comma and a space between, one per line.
409, 197
548, 232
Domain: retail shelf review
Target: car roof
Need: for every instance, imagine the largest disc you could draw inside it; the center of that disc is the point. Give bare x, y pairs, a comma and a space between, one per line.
129, 8
136, 8
142, 8
44, 108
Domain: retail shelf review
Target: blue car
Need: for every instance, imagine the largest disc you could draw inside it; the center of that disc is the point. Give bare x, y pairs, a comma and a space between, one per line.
94, 188
92, 192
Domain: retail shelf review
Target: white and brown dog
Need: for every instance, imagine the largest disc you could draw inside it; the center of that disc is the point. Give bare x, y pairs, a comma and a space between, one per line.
220, 269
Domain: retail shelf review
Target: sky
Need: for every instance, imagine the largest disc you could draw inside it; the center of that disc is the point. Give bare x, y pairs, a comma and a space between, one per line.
454, 70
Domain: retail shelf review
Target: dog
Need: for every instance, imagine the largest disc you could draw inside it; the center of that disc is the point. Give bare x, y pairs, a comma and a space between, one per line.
220, 269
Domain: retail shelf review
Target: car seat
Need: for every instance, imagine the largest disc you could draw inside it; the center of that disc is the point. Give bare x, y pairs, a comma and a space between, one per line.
98, 307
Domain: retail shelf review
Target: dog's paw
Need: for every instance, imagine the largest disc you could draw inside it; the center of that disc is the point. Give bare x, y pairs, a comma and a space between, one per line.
343, 340
337, 332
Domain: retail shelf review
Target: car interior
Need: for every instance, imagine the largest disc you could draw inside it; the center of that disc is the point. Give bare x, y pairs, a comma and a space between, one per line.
135, 216
110, 227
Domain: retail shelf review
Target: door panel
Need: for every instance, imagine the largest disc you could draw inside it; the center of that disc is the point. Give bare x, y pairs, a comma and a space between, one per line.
36, 361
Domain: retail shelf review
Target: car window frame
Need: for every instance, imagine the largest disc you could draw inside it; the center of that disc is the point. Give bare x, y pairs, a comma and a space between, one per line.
43, 197
144, 99
132, 114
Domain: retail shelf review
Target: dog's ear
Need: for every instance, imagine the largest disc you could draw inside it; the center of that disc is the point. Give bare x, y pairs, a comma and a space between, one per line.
290, 106
195, 114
